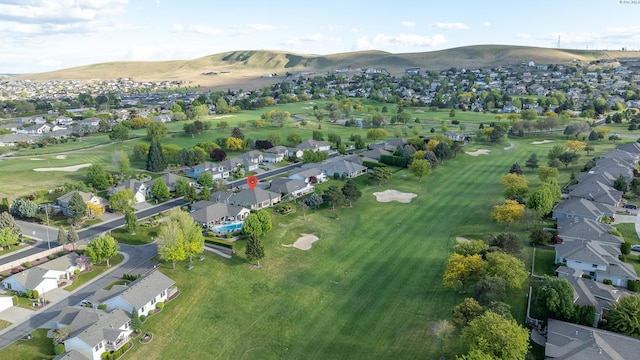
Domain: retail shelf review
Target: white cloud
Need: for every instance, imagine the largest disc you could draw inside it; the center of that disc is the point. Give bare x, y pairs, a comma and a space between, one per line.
612, 38
197, 29
524, 36
261, 27
486, 24
400, 41
451, 26
408, 23
64, 11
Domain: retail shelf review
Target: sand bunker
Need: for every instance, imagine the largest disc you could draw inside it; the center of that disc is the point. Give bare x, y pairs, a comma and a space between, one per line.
394, 195
478, 152
64, 168
37, 159
541, 142
61, 157
461, 239
221, 117
305, 241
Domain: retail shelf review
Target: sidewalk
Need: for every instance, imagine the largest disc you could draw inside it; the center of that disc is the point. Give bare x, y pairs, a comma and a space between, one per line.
16, 315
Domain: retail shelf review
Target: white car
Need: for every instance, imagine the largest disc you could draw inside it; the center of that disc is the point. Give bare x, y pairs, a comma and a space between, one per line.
85, 303
635, 247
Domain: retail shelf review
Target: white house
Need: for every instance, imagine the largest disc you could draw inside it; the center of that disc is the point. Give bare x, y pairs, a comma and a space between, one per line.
5, 302
35, 278
138, 187
311, 176
275, 154
63, 200
93, 332
143, 294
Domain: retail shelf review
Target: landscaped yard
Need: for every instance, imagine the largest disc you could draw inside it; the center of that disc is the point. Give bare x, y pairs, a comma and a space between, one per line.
370, 287
38, 348
143, 235
545, 262
85, 277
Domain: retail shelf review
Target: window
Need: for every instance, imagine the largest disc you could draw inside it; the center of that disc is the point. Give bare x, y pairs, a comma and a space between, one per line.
595, 265
153, 301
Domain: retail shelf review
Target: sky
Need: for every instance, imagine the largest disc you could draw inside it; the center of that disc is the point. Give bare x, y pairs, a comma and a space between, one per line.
45, 35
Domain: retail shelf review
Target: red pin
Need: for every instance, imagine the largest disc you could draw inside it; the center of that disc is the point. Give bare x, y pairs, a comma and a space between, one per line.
252, 181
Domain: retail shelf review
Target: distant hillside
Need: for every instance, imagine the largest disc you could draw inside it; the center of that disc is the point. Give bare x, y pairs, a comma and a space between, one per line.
244, 69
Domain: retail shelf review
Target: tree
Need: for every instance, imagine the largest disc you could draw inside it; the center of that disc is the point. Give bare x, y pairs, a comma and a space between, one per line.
4, 205
218, 155
542, 199
624, 316
265, 220
293, 139
8, 222
547, 172
466, 311
156, 161
508, 212
97, 177
589, 149
568, 158
61, 334
233, 143
7, 238
462, 269
254, 249
420, 168
490, 289
136, 323
540, 237
23, 208
171, 242
72, 236
63, 238
102, 248
625, 248
160, 190
314, 201
77, 208
508, 242
190, 194
189, 230
122, 200
131, 220
532, 162
515, 169
497, 336
515, 185
333, 196
237, 133
555, 298
121, 160
471, 247
507, 267
381, 175
140, 151
156, 130
351, 192
206, 179
575, 145
253, 228
443, 330
378, 133
119, 132
620, 184
303, 207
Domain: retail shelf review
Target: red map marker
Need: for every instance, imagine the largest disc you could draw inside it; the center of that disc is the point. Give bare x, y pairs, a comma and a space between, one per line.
252, 181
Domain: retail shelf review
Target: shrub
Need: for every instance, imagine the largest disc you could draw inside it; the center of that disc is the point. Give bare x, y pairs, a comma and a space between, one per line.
633, 285
51, 257
151, 312
58, 349
102, 307
607, 282
142, 318
15, 300
159, 305
35, 294
29, 294
76, 271
27, 264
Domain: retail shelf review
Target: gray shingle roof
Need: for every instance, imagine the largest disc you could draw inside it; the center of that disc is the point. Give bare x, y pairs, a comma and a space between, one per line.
92, 325
62, 263
208, 211
66, 197
247, 197
285, 185
583, 208
143, 290
587, 229
31, 278
70, 355
568, 341
596, 191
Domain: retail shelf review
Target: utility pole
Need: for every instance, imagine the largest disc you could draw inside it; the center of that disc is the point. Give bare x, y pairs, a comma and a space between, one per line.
46, 213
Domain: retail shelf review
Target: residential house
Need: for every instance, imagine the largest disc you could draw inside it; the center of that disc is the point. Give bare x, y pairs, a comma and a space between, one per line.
581, 208
218, 171
70, 355
210, 214
587, 292
139, 188
376, 153
310, 144
37, 129
275, 154
587, 229
64, 264
571, 341
597, 192
35, 278
252, 199
63, 200
60, 134
14, 139
598, 260
142, 294
311, 175
169, 179
93, 332
290, 187
163, 118
339, 166
455, 136
6, 302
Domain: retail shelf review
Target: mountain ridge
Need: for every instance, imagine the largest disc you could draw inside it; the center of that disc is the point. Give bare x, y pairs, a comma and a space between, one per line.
239, 66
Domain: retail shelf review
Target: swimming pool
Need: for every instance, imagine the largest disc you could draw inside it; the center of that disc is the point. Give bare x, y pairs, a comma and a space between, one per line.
227, 228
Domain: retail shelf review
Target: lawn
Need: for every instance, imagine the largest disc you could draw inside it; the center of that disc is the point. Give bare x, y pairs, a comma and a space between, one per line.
628, 231
369, 288
143, 235
545, 262
85, 277
4, 324
38, 348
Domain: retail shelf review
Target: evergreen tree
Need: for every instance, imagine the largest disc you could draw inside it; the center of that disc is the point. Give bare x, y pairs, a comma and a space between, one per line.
4, 205
254, 249
7, 221
72, 236
156, 161
131, 220
532, 162
77, 207
333, 196
351, 192
63, 238
515, 169
136, 324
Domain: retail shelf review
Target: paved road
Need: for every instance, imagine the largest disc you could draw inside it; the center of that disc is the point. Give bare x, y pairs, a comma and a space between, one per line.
138, 263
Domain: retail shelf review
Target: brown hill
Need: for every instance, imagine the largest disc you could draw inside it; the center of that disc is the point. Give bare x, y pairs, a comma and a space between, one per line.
245, 69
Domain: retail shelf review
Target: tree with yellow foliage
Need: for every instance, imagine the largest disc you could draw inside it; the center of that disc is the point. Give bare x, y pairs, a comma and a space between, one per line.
234, 144
461, 269
508, 212
575, 145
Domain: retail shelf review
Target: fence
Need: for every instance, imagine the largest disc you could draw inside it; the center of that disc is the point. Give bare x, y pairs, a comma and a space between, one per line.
30, 258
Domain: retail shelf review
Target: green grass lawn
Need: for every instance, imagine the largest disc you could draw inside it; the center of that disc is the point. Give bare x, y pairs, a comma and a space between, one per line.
4, 324
38, 348
85, 277
545, 260
143, 235
371, 287
117, 282
628, 231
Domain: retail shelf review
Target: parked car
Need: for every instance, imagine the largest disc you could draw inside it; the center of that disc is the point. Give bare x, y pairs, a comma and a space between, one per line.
631, 206
635, 247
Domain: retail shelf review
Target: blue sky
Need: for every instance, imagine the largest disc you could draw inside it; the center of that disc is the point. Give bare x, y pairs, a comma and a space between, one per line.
44, 35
